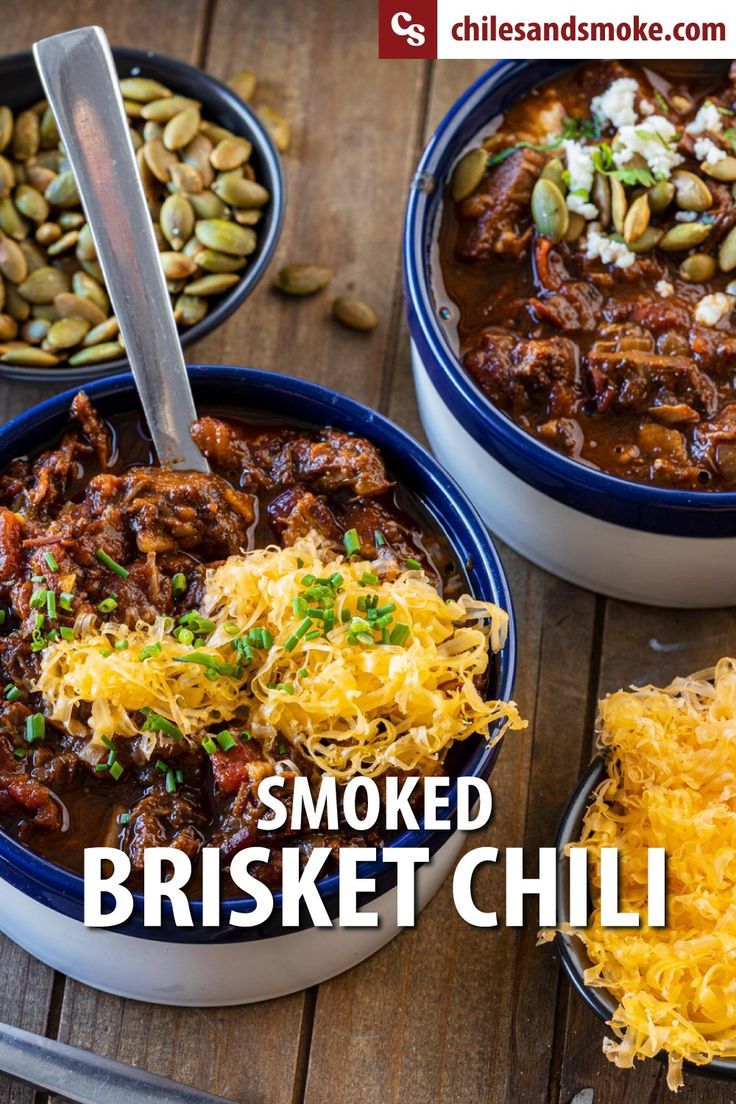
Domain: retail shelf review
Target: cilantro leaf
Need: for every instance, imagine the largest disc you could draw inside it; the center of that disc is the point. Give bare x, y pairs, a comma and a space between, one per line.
634, 176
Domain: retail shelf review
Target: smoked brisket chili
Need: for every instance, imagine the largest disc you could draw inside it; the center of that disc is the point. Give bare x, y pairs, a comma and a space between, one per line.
97, 490
615, 341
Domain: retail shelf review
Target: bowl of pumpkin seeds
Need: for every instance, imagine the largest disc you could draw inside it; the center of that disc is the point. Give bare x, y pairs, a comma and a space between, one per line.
214, 185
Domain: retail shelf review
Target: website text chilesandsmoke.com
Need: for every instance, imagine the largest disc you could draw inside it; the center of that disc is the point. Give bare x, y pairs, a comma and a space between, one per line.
489, 28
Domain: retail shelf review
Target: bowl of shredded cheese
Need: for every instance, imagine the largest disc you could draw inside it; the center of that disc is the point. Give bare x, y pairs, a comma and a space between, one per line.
665, 777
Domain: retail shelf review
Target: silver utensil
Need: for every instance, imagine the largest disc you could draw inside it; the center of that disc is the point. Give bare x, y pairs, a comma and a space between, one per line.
80, 1075
78, 75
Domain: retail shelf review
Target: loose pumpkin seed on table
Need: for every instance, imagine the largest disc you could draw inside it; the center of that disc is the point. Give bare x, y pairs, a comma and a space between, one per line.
205, 202
303, 278
354, 313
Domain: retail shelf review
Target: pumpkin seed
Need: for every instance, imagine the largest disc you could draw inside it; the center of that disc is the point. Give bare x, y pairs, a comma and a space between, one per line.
159, 159
239, 192
214, 132
554, 170
97, 354
549, 210
26, 135
39, 176
143, 90
651, 237
64, 244
207, 205
31, 203
225, 237
684, 236
93, 268
15, 304
186, 179
133, 111
190, 309
29, 358
177, 220
8, 327
619, 204
197, 154
213, 284
48, 132
13, 264
692, 193
43, 285
303, 278
698, 268
731, 288
150, 182
355, 313
2, 294
601, 197
212, 261
35, 329
180, 130
637, 218
62, 191
66, 333
71, 220
7, 123
177, 266
7, 177
34, 256
247, 216
161, 111
277, 125
230, 154
243, 84
724, 170
106, 331
575, 227
85, 246
727, 252
87, 287
11, 222
152, 130
70, 305
47, 311
468, 173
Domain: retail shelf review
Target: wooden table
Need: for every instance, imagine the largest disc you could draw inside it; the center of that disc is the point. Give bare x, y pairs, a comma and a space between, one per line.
445, 1014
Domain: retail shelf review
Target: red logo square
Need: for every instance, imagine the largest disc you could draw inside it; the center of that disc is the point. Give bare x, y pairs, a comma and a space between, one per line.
407, 28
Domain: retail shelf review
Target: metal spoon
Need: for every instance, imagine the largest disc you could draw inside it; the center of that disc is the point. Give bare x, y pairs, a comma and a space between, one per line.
80, 1075
78, 75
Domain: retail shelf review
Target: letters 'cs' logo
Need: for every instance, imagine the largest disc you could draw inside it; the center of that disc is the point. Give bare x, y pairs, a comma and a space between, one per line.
402, 25
407, 29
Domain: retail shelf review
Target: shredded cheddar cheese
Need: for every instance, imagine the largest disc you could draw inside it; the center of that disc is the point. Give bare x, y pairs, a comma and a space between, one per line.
671, 783
379, 674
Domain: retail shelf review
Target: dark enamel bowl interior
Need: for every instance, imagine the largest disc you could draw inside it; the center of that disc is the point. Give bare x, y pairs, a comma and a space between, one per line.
572, 952
20, 86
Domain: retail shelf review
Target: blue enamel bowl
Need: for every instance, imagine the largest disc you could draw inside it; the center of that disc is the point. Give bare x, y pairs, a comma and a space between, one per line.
21, 86
574, 958
243, 391
569, 517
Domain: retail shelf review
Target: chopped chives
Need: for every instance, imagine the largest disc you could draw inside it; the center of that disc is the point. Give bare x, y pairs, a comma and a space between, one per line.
170, 780
20, 753
209, 745
336, 580
184, 636
149, 651
299, 562
312, 635
38, 599
35, 727
369, 579
225, 740
51, 561
3, 616
101, 767
329, 621
53, 635
122, 645
282, 748
39, 622
179, 776
382, 610
105, 652
399, 634
124, 818
51, 605
116, 769
379, 538
296, 636
108, 561
230, 628
68, 634
12, 693
303, 672
307, 580
107, 605
178, 584
245, 736
108, 742
156, 723
351, 540
298, 605
267, 638
38, 578
345, 615
413, 565
65, 600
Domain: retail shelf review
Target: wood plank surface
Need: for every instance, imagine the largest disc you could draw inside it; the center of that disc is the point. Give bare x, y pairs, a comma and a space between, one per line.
446, 1013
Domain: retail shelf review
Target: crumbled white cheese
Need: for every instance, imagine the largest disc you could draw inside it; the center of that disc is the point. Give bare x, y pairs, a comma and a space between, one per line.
646, 107
686, 216
655, 140
664, 289
708, 118
608, 250
712, 308
707, 150
581, 169
617, 102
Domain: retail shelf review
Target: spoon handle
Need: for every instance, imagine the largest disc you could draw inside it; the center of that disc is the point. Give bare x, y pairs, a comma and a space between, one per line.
78, 75
88, 1078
